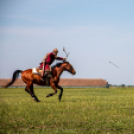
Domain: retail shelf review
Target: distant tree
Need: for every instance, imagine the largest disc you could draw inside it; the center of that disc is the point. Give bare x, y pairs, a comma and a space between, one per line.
115, 85
110, 85
122, 85
130, 86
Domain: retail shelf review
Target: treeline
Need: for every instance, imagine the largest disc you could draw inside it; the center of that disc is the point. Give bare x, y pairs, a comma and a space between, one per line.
122, 85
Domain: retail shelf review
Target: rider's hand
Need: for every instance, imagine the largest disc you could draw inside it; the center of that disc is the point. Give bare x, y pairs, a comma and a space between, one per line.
65, 58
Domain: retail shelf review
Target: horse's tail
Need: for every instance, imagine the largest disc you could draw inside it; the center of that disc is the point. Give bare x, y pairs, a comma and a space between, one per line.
15, 76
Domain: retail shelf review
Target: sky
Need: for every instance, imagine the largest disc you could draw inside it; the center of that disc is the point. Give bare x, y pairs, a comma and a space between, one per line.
95, 32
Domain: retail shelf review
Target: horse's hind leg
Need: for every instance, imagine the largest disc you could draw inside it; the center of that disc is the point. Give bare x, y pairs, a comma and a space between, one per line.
29, 89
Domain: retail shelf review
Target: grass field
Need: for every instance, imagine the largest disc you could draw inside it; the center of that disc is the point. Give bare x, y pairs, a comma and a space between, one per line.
81, 111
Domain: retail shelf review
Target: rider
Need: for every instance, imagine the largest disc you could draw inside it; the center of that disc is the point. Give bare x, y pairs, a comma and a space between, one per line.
47, 61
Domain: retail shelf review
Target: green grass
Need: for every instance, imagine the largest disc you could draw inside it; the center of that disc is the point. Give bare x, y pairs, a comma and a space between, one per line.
81, 111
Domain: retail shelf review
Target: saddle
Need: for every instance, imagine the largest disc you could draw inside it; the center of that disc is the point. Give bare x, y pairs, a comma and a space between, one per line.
39, 72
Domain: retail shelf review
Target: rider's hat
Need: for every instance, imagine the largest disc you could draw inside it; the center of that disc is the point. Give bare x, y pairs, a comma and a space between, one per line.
55, 50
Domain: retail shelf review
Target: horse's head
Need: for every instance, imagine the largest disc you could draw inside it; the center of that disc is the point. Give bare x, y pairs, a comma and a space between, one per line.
68, 67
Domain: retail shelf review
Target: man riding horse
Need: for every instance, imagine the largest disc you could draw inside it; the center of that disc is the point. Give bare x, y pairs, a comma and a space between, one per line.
31, 78
47, 61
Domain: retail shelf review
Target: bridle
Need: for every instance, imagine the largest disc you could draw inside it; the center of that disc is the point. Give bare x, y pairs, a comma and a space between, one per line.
71, 68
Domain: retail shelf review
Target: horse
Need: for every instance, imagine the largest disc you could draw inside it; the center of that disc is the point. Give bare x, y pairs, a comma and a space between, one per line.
29, 78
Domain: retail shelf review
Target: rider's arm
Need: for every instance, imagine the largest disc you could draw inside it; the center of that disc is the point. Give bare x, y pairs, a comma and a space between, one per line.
60, 58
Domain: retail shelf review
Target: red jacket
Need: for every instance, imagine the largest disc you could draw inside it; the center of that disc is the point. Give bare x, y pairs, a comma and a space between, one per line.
51, 57
48, 59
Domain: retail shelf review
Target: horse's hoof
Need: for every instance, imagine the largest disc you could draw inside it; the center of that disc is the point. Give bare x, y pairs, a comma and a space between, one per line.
34, 99
47, 95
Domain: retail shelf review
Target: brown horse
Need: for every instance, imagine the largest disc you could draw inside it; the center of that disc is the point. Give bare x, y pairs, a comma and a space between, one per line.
29, 78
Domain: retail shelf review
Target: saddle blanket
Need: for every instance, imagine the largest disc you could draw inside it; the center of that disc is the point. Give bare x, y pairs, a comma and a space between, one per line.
36, 71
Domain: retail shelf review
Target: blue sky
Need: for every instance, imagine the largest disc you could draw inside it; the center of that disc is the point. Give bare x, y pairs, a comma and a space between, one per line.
93, 31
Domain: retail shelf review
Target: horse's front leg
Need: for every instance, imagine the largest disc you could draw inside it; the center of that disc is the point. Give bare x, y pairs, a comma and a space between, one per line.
61, 89
53, 86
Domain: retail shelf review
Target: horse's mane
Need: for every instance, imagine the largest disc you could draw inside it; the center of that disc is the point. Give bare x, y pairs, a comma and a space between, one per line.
58, 65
